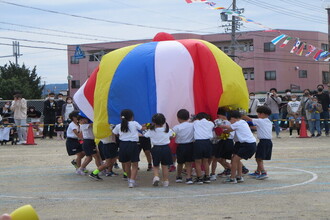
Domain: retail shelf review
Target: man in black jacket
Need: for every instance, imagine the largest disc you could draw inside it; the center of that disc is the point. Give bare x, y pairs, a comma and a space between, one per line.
324, 99
50, 112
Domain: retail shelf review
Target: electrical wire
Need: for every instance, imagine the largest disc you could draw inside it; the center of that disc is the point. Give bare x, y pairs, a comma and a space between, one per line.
98, 19
61, 31
284, 11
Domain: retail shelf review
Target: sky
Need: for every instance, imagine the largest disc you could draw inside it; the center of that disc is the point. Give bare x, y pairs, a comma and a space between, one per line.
44, 28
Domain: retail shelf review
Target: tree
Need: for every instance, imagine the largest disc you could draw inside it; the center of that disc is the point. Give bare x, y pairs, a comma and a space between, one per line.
14, 78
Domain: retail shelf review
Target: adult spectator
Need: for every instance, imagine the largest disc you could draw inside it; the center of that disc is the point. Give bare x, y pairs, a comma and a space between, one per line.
253, 104
50, 112
19, 107
60, 103
284, 108
273, 101
67, 108
324, 99
304, 112
5, 112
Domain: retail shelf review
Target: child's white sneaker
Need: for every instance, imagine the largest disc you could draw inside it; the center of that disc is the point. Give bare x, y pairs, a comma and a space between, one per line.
166, 183
155, 181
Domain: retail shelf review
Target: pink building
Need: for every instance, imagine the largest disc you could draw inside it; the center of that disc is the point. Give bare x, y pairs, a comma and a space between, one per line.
264, 64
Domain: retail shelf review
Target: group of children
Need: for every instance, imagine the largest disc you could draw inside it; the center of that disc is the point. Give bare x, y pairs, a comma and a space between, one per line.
200, 143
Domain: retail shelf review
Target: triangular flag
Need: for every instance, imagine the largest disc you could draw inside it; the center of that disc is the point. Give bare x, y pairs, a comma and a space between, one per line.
301, 49
310, 49
191, 1
317, 55
286, 42
277, 39
295, 47
211, 3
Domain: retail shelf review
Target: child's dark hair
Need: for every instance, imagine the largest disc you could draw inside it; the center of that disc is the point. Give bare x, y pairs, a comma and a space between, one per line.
273, 89
264, 109
5, 120
235, 114
183, 114
159, 119
222, 111
202, 115
74, 114
126, 116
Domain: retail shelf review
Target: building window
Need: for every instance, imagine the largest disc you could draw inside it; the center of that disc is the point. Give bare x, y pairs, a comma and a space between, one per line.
269, 47
226, 49
74, 60
251, 47
325, 77
75, 84
251, 75
95, 57
302, 73
324, 47
248, 73
270, 75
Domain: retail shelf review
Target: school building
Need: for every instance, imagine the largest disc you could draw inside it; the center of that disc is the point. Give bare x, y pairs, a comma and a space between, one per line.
264, 64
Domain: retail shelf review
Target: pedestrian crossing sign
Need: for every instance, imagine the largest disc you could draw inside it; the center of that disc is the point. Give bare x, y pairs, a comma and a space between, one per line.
79, 53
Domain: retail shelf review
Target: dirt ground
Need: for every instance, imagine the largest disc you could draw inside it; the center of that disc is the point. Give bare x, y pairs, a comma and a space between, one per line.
298, 187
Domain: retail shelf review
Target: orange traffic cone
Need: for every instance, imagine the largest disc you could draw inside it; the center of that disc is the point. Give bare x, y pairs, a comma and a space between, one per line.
30, 136
303, 129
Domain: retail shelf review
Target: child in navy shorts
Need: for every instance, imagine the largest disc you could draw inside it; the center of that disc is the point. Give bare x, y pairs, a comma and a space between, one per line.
129, 151
226, 143
145, 145
184, 137
88, 145
264, 133
203, 132
160, 134
244, 150
73, 145
109, 149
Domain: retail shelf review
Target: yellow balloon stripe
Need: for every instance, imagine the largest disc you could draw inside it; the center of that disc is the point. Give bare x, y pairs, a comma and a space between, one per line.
235, 92
108, 67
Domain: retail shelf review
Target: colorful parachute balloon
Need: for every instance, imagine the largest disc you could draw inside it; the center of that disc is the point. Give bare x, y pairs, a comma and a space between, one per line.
161, 76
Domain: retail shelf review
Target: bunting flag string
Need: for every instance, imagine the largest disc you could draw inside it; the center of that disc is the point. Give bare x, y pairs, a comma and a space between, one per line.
298, 48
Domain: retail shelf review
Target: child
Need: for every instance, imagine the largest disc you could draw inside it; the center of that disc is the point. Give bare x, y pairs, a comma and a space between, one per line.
244, 148
184, 137
109, 149
34, 117
145, 145
294, 114
129, 151
226, 144
203, 132
59, 128
265, 145
161, 152
88, 145
73, 146
315, 109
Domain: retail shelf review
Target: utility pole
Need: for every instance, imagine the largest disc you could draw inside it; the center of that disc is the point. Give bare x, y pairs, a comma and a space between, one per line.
233, 25
233, 33
328, 10
16, 52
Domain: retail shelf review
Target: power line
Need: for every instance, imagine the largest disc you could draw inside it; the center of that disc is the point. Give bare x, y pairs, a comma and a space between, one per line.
60, 31
53, 35
284, 11
98, 19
